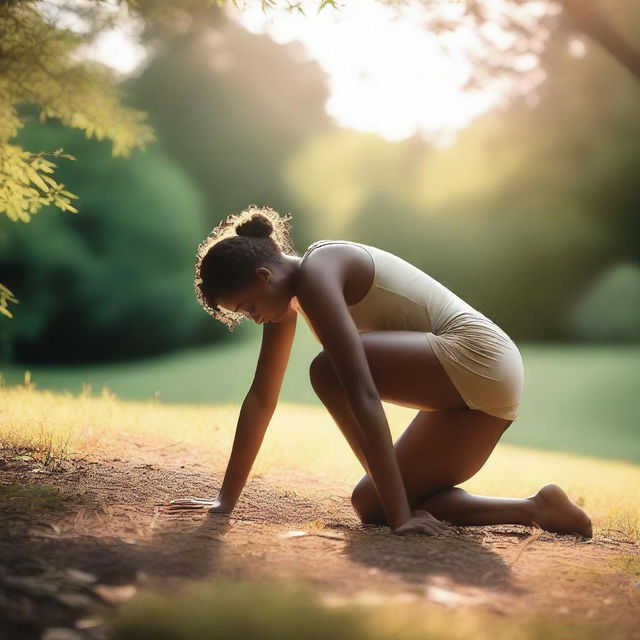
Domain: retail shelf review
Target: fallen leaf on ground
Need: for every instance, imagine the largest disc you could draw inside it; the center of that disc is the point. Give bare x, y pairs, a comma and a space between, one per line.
317, 534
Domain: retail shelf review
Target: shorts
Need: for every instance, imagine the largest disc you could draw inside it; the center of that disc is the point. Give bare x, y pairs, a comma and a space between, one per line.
483, 363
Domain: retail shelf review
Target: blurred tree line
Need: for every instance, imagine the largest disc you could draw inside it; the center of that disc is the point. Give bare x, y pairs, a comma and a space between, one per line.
116, 281
532, 215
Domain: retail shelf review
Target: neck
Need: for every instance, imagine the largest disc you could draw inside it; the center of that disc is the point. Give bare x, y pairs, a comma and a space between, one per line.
291, 266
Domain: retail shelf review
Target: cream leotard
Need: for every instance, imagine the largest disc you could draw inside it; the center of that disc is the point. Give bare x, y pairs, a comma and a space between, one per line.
481, 360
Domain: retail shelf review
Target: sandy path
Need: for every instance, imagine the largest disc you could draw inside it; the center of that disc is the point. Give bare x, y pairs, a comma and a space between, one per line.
112, 527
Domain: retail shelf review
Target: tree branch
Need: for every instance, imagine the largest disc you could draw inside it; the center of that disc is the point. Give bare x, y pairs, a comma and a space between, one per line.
592, 22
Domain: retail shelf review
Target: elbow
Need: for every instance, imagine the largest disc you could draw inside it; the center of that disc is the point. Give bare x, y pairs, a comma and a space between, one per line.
363, 397
261, 402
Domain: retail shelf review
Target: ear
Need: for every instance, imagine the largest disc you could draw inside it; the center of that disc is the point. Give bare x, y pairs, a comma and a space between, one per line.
264, 273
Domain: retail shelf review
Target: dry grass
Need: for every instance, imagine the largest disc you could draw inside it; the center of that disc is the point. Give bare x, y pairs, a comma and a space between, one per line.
28, 498
34, 436
300, 439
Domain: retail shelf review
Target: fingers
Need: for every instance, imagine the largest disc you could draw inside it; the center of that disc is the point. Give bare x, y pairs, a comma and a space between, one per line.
418, 529
425, 515
182, 507
179, 507
429, 526
420, 513
430, 529
189, 503
444, 527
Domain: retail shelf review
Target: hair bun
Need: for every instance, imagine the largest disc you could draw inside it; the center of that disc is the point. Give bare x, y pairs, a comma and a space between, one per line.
258, 226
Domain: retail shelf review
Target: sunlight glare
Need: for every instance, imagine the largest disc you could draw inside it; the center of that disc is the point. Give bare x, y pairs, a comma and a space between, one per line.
386, 73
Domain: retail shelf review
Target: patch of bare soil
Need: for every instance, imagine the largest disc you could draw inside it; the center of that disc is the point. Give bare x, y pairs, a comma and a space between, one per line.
66, 565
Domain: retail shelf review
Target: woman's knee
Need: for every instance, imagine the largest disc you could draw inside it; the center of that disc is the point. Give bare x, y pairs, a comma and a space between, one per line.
366, 504
319, 371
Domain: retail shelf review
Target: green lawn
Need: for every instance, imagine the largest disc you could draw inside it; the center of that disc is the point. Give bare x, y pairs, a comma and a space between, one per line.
581, 399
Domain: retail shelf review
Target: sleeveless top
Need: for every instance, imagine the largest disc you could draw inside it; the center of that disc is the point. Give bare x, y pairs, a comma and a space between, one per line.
401, 296
480, 358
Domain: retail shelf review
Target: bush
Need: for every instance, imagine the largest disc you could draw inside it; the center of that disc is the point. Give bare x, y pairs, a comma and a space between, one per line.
609, 310
116, 279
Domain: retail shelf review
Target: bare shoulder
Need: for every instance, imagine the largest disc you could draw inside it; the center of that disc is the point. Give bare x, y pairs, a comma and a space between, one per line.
325, 265
321, 293
339, 268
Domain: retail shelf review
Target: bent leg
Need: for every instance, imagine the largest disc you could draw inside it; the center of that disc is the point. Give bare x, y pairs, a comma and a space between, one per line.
457, 506
445, 444
405, 371
550, 508
449, 447
438, 450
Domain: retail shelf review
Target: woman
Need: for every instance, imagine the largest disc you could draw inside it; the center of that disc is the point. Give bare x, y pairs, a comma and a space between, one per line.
389, 332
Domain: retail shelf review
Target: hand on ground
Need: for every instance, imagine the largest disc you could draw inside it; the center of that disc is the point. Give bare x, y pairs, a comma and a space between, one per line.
210, 505
423, 522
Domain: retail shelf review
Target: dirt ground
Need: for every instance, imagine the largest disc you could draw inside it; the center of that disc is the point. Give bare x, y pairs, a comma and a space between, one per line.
65, 565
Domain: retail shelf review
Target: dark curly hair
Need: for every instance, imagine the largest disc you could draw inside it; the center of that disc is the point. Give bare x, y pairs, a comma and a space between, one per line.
228, 257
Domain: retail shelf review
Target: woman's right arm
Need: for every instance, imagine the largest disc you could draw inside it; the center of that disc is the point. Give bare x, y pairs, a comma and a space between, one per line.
257, 408
255, 415
252, 424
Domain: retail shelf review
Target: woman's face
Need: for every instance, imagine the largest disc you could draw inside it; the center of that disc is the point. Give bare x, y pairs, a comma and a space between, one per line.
265, 300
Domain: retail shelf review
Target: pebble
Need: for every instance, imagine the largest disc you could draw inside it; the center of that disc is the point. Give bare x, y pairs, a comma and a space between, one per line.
115, 594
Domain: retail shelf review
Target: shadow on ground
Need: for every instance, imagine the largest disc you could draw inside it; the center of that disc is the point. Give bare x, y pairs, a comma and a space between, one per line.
108, 536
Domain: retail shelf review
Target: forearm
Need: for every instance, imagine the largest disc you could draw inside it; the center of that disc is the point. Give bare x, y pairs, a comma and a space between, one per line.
381, 460
253, 421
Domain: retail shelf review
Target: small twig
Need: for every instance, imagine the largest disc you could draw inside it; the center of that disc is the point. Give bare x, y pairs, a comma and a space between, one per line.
526, 543
156, 514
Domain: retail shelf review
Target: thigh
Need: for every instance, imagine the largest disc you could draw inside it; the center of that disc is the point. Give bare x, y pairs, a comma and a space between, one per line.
438, 450
407, 372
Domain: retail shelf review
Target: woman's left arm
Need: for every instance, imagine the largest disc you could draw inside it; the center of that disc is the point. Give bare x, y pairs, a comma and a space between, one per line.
320, 293
381, 459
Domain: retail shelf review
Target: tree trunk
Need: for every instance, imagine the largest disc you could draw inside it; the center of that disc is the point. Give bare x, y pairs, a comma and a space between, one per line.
589, 19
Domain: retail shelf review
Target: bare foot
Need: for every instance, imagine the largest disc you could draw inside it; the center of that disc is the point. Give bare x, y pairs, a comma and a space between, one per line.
557, 513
